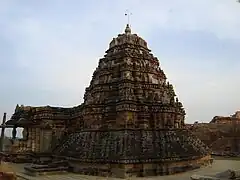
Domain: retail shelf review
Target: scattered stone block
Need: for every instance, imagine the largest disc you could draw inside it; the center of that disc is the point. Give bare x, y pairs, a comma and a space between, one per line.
200, 177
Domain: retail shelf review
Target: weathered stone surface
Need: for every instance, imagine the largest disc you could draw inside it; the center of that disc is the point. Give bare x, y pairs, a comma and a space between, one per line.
199, 177
209, 171
233, 119
132, 146
225, 174
222, 134
43, 127
130, 120
235, 174
228, 174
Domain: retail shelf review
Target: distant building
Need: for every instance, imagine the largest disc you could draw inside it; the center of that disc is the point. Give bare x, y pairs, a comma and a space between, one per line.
227, 120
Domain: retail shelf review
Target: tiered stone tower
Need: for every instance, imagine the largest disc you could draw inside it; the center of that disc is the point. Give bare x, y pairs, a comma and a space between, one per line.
129, 90
133, 124
130, 123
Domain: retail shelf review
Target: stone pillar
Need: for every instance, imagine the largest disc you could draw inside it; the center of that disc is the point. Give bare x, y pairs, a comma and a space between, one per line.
29, 145
20, 146
165, 120
37, 140
45, 140
14, 132
33, 139
3, 130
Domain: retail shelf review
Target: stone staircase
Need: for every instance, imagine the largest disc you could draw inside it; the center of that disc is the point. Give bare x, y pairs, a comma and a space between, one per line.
56, 167
196, 143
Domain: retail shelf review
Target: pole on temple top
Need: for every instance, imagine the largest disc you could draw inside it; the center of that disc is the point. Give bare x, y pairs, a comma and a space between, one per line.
2, 131
128, 14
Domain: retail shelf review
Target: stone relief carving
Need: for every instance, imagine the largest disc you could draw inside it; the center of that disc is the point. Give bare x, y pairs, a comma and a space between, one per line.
127, 83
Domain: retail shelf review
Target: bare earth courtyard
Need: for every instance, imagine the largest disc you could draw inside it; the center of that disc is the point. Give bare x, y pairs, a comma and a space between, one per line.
219, 165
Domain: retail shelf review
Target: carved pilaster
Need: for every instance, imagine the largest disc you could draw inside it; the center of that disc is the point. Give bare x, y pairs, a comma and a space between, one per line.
33, 139
45, 140
37, 139
29, 141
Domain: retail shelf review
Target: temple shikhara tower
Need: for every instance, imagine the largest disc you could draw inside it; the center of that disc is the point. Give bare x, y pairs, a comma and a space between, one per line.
130, 124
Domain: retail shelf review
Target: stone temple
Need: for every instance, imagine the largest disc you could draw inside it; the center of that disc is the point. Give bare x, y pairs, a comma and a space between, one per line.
130, 123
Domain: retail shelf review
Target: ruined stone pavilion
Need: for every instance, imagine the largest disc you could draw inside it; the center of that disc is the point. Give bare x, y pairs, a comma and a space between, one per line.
130, 123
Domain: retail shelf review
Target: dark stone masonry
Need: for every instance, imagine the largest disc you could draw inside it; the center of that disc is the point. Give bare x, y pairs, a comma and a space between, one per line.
130, 123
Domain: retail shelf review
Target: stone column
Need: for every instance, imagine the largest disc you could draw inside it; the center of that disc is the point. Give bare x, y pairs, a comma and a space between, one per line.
45, 140
3, 130
37, 140
29, 144
33, 139
14, 132
20, 146
24, 141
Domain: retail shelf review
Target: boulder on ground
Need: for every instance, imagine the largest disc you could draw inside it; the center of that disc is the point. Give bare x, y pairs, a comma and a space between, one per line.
6, 172
199, 177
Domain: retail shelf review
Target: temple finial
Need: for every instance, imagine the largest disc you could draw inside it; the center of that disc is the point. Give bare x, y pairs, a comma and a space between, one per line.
128, 29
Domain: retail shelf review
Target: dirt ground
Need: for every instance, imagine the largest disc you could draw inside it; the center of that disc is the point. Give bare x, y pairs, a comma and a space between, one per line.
219, 165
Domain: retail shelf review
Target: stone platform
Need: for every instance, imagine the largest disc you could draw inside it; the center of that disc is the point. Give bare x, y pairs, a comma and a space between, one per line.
133, 152
219, 165
131, 123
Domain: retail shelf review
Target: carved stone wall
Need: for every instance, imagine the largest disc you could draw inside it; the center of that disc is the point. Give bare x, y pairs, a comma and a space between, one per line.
137, 170
129, 80
45, 140
126, 103
132, 146
220, 137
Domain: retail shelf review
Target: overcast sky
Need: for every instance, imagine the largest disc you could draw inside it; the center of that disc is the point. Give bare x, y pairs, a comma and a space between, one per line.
50, 48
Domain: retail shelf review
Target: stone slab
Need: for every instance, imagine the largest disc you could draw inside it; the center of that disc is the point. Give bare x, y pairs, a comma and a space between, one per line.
199, 177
